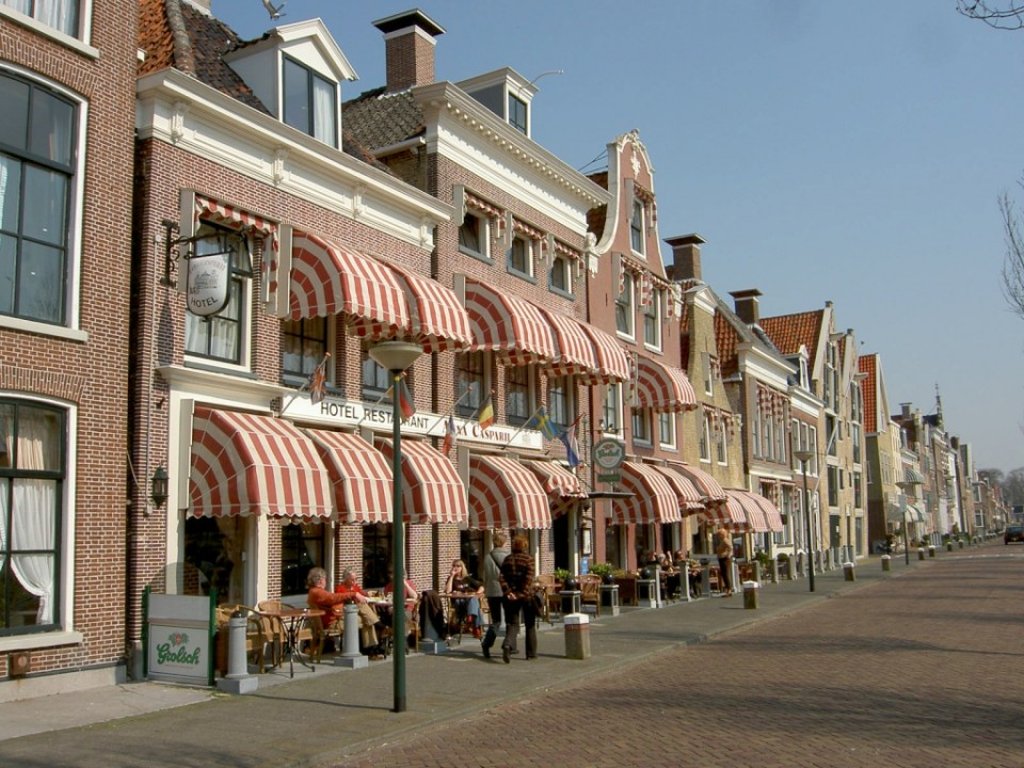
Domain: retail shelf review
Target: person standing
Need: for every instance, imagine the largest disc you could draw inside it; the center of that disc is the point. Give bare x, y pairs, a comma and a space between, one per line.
492, 588
517, 588
723, 549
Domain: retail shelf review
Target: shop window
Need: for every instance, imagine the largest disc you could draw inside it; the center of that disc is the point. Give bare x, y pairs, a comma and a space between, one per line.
376, 555
32, 474
214, 549
38, 187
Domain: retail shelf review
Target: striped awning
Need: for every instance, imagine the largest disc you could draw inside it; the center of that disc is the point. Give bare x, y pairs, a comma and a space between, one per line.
560, 484
663, 387
914, 514
239, 218
360, 475
246, 464
756, 520
380, 301
503, 493
513, 328
576, 353
912, 477
653, 499
729, 514
612, 360
704, 482
771, 512
432, 491
690, 499
437, 318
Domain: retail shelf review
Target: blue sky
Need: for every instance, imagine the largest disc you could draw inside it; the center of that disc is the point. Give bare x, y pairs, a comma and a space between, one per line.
826, 150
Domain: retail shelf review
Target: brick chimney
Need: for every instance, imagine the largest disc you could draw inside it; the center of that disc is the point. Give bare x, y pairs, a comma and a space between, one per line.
746, 305
685, 256
409, 41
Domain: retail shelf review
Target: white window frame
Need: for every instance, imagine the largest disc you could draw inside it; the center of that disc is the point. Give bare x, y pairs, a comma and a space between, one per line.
667, 429
79, 40
560, 263
652, 320
704, 441
642, 417
628, 306
483, 233
312, 76
722, 446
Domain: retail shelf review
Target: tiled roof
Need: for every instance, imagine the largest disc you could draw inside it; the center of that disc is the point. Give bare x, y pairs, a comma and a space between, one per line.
726, 339
379, 119
176, 34
869, 387
788, 332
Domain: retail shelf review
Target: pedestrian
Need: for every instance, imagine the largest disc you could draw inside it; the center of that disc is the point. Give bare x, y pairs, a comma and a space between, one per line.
723, 548
492, 588
517, 587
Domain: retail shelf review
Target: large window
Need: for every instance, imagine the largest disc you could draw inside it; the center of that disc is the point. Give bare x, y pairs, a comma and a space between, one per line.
310, 102
37, 157
303, 345
32, 471
517, 395
624, 306
221, 336
62, 15
470, 382
518, 114
302, 548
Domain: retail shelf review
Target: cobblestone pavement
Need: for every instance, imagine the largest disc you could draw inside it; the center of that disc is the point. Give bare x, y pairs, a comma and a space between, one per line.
923, 670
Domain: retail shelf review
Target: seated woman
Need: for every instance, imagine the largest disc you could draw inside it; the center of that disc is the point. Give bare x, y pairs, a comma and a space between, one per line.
348, 591
460, 582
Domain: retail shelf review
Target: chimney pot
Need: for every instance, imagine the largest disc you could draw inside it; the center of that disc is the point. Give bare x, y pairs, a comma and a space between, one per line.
409, 42
746, 305
685, 256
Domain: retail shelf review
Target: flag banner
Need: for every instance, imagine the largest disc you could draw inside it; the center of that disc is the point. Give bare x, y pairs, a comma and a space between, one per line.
572, 448
449, 436
543, 422
317, 383
486, 414
405, 404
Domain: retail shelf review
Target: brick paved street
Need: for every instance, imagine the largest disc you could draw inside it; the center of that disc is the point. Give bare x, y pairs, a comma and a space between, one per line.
922, 670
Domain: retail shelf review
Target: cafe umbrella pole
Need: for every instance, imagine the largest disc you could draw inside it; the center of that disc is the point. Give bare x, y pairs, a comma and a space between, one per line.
396, 356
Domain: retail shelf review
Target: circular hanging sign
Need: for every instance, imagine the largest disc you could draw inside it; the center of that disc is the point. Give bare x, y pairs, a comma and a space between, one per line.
609, 454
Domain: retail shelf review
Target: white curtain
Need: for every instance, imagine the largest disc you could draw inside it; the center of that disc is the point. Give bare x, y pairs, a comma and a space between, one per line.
60, 14
33, 527
324, 111
4, 485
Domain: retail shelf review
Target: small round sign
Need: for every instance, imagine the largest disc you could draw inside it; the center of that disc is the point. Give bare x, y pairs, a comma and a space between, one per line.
609, 454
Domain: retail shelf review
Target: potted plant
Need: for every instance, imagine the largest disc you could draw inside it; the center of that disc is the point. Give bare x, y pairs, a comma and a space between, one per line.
605, 570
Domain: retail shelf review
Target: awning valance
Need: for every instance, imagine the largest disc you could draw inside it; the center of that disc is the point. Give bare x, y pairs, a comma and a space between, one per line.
431, 489
360, 475
756, 520
707, 485
380, 301
663, 387
505, 494
687, 494
771, 512
248, 464
653, 499
729, 514
513, 328
556, 480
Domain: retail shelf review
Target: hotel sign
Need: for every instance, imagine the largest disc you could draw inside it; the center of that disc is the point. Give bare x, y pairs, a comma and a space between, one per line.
340, 413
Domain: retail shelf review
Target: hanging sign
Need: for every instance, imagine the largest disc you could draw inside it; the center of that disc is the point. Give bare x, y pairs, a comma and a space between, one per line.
207, 283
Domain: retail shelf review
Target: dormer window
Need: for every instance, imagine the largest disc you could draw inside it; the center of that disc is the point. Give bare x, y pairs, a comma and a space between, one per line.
310, 102
517, 114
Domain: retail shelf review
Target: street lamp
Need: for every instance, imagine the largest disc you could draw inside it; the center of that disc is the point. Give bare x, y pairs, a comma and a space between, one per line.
396, 357
804, 458
904, 486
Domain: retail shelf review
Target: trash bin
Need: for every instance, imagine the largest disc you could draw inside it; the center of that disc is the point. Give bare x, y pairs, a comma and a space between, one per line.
750, 589
920, 554
849, 572
931, 550
577, 636
886, 563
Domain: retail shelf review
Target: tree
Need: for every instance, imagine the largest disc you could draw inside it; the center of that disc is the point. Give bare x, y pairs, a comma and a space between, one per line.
1000, 14
1013, 259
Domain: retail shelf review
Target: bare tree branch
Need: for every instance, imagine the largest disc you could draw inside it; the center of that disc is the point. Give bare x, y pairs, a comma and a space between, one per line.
999, 14
1013, 259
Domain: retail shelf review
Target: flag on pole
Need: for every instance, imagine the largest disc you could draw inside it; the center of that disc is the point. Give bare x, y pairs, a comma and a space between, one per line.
543, 422
572, 448
317, 384
486, 414
449, 435
405, 404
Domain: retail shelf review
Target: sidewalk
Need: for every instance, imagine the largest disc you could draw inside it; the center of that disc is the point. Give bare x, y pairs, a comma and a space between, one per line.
333, 711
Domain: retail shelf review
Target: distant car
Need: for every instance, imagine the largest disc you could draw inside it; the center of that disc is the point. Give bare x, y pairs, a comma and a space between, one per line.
1013, 533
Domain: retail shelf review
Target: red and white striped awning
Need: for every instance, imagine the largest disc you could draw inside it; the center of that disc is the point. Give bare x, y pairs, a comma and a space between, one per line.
612, 360
756, 521
663, 387
770, 513
556, 480
432, 491
505, 494
327, 279
437, 317
709, 488
690, 499
576, 353
246, 464
238, 218
653, 499
513, 328
360, 475
730, 514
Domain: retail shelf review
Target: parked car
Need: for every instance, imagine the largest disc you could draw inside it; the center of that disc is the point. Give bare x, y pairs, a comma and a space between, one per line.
1013, 533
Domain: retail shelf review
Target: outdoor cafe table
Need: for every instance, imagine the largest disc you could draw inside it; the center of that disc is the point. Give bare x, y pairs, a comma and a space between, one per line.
294, 620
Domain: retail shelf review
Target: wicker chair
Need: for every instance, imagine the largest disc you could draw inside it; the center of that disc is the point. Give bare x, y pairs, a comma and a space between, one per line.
590, 592
256, 635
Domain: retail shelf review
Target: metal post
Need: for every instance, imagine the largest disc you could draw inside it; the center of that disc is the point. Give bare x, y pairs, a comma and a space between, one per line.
803, 457
397, 549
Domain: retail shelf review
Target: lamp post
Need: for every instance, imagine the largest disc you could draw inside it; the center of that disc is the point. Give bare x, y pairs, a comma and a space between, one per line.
905, 486
804, 457
396, 357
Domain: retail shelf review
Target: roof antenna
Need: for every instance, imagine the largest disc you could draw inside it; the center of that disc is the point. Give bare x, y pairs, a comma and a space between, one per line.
542, 74
274, 11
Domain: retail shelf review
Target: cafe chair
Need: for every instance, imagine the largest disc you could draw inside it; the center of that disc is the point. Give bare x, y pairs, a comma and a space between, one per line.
590, 592
256, 636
